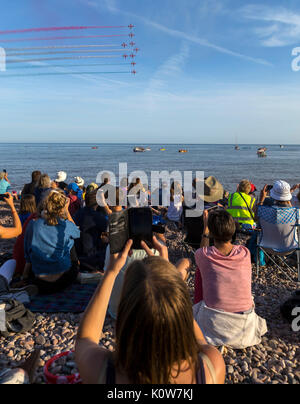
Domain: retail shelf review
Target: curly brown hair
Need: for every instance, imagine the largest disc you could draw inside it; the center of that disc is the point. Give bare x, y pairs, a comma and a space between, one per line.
54, 207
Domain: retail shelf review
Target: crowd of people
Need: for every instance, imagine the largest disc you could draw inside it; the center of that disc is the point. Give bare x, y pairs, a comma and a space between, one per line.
160, 336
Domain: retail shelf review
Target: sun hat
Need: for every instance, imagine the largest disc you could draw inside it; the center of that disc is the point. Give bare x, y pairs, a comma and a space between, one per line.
213, 190
79, 181
92, 187
281, 191
73, 187
61, 176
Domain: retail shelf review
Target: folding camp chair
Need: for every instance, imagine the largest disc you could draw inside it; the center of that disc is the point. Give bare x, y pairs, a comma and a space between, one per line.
279, 235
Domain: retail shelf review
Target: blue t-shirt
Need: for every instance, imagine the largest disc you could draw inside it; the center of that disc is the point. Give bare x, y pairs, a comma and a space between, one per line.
48, 248
4, 187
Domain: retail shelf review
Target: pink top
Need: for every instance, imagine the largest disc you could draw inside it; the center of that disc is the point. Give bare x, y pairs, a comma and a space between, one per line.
226, 280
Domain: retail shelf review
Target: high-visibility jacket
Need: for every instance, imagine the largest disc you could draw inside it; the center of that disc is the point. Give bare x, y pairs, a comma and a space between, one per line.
238, 209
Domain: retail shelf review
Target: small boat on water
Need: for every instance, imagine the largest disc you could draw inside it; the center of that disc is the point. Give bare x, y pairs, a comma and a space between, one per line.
262, 152
281, 146
162, 149
95, 148
237, 147
183, 151
139, 150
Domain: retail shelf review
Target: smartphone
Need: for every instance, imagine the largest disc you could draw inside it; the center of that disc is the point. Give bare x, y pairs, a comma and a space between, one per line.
2, 197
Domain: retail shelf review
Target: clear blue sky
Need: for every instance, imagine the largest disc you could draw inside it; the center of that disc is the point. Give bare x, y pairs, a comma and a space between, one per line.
208, 71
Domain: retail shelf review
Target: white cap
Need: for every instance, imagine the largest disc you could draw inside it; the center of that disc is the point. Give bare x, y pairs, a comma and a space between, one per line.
79, 181
281, 191
61, 176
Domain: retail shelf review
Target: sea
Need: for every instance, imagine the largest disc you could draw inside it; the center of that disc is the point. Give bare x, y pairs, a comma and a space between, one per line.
228, 165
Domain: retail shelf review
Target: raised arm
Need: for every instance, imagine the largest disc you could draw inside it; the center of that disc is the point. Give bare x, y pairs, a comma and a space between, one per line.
87, 351
16, 230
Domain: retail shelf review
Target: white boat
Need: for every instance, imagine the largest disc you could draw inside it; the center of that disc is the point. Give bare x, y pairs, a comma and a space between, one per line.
139, 150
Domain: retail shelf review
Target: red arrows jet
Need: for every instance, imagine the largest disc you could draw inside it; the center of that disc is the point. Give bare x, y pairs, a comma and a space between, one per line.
130, 26
125, 56
136, 50
133, 63
134, 72
132, 55
124, 45
132, 44
131, 35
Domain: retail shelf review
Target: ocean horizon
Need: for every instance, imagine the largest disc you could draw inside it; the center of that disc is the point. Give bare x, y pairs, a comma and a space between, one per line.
221, 160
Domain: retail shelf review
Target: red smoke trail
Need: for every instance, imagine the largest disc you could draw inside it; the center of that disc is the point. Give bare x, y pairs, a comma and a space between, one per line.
62, 74
63, 52
64, 58
48, 29
58, 47
58, 38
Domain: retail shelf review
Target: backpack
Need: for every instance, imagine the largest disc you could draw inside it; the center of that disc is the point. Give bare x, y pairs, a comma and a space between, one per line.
288, 307
18, 319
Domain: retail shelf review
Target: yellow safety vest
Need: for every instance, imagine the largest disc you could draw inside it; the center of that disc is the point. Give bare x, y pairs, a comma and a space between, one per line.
238, 209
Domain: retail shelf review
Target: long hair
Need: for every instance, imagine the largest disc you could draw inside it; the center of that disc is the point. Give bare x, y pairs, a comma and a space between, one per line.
28, 204
155, 326
45, 181
53, 207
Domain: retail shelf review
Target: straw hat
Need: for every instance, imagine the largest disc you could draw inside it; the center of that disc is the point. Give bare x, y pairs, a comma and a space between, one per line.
281, 191
79, 181
213, 190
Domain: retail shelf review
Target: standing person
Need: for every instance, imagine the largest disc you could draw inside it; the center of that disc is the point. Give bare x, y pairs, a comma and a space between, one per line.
51, 261
4, 183
241, 205
157, 339
29, 189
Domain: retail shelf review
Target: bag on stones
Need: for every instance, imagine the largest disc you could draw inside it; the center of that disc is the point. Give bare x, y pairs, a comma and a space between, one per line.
288, 307
18, 319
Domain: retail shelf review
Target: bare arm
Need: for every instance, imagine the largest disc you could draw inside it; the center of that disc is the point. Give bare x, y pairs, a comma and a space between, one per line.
205, 236
87, 348
16, 230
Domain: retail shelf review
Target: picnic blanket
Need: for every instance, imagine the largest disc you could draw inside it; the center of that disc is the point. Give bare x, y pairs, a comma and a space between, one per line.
74, 299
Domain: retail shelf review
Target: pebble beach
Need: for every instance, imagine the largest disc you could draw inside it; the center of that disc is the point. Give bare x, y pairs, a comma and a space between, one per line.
275, 361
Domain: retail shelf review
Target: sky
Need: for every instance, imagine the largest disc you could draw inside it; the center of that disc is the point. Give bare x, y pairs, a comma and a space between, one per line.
208, 71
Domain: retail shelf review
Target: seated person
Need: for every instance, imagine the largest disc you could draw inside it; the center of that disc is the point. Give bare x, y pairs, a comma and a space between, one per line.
43, 188
175, 209
75, 203
51, 262
4, 183
223, 296
29, 189
90, 248
213, 196
136, 255
157, 340
241, 205
27, 207
8, 268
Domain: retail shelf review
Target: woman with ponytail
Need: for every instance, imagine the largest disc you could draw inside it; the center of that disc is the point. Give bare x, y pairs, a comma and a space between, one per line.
51, 262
